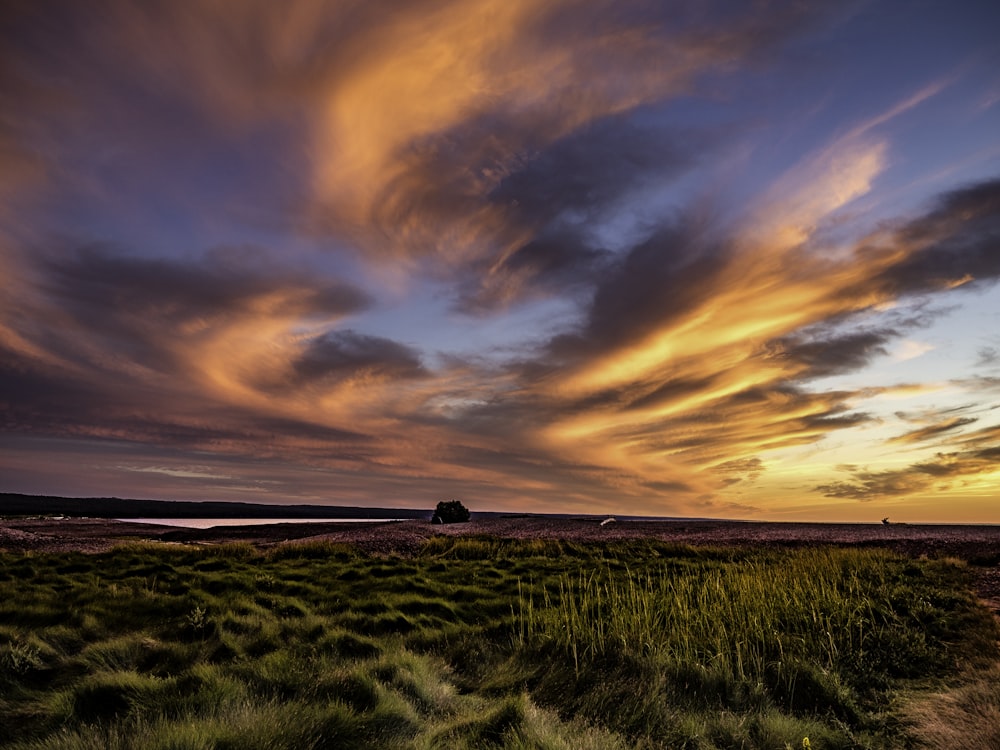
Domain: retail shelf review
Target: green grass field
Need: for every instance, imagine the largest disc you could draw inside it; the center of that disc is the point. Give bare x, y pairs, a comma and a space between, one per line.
481, 643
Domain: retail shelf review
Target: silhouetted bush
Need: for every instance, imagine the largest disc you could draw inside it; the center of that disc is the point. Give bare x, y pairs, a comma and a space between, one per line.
450, 512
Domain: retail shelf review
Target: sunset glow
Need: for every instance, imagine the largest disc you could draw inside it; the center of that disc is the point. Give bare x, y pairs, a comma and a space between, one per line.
704, 259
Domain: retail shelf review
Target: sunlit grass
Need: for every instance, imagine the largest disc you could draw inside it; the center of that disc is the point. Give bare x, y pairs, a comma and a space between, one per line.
841, 610
478, 643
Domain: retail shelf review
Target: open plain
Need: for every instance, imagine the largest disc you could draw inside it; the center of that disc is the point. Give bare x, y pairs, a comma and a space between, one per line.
505, 632
976, 544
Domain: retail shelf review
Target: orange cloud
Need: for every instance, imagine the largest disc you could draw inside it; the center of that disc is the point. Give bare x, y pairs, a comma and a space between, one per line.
934, 431
439, 105
975, 469
486, 146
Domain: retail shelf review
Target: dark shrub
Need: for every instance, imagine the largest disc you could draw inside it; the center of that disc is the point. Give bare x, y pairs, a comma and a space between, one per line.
450, 512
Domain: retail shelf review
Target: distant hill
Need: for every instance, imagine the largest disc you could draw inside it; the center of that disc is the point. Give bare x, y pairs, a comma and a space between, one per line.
13, 504
113, 507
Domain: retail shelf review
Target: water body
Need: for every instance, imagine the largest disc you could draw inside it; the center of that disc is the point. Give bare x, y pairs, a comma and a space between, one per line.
208, 523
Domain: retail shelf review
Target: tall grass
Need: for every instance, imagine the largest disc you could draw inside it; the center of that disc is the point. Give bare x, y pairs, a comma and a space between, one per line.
478, 643
836, 608
820, 632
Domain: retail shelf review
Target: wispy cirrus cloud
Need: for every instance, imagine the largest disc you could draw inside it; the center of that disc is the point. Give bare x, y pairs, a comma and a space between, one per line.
934, 431
226, 353
942, 470
220, 206
445, 109
972, 458
988, 356
665, 366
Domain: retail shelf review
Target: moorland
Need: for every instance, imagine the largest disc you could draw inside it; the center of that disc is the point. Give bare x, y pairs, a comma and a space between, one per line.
502, 633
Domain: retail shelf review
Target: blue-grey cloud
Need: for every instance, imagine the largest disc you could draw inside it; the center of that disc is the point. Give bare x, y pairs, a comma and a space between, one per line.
346, 353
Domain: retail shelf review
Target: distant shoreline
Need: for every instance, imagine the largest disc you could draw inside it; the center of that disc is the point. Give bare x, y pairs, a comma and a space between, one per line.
14, 504
209, 523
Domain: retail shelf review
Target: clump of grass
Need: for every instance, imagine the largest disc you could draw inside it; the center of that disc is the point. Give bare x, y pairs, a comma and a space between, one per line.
234, 551
476, 643
314, 550
120, 653
491, 548
109, 695
197, 619
19, 658
421, 680
146, 548
277, 726
963, 716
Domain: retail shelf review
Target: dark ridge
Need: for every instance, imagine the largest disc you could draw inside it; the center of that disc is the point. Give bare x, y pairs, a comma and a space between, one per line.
113, 507
14, 504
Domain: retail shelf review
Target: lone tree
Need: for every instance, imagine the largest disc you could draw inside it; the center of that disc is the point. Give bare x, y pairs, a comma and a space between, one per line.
450, 512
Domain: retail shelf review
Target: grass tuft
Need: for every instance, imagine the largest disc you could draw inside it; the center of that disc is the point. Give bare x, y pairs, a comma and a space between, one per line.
492, 643
963, 716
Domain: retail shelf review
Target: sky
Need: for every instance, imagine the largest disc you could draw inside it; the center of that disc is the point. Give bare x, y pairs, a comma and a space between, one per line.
730, 259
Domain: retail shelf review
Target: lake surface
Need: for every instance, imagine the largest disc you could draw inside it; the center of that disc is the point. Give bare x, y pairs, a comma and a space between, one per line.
208, 523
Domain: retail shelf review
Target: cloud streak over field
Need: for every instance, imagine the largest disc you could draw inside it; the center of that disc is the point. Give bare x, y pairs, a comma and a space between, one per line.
574, 256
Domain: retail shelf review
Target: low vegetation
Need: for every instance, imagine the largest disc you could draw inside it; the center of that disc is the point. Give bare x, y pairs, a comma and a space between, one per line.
450, 511
485, 643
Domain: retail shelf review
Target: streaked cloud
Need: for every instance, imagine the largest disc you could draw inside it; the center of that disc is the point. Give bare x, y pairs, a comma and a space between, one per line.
942, 471
227, 229
934, 431
185, 473
988, 356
